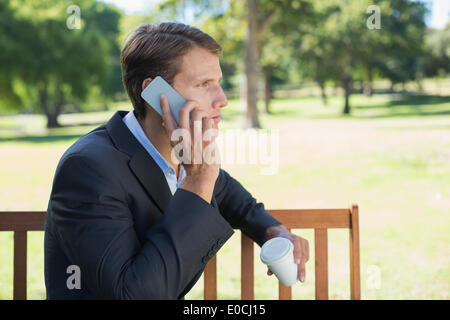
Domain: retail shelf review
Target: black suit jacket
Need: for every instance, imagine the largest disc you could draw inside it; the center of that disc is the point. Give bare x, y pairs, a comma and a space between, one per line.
111, 213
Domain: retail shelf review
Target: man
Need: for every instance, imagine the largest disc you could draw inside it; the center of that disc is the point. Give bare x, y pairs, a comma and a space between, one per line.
134, 222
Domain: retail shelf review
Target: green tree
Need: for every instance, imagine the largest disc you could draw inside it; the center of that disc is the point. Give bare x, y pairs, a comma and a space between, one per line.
341, 47
228, 28
264, 16
254, 18
47, 63
437, 62
402, 47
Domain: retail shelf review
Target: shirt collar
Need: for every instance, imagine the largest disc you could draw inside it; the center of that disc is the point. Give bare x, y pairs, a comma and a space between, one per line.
133, 124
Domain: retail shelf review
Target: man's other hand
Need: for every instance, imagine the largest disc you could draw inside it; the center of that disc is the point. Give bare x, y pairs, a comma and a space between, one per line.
301, 248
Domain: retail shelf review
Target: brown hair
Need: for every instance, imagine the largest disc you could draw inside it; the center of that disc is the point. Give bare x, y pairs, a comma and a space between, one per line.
154, 50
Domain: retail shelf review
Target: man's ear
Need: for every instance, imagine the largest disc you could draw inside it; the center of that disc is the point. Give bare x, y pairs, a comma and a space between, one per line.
146, 82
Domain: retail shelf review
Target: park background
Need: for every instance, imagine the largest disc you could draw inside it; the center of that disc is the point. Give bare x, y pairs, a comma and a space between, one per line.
362, 107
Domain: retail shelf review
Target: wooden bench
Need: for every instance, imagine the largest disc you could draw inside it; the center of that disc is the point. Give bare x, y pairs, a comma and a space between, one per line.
318, 219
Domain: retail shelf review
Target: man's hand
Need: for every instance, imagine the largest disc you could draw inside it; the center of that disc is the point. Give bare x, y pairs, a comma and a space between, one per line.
200, 177
301, 248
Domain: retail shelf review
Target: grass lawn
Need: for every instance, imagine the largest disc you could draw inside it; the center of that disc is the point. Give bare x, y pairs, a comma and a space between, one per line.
391, 157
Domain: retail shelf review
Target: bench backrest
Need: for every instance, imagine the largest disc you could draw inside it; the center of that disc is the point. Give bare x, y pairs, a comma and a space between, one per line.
21, 222
320, 220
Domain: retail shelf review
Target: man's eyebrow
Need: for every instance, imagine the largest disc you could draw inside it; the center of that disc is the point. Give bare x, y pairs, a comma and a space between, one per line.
207, 79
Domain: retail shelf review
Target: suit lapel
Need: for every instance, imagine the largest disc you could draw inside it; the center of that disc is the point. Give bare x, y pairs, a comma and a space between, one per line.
141, 163
151, 177
214, 202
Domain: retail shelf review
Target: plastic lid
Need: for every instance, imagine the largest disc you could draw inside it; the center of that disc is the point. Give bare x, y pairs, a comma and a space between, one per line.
275, 249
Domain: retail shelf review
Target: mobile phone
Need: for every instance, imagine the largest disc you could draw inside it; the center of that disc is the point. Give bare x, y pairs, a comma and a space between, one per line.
152, 94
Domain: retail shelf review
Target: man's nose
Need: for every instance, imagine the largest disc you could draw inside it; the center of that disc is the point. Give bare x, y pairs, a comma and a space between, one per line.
220, 100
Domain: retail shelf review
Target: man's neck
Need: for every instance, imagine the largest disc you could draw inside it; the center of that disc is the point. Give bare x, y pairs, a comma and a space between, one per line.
157, 135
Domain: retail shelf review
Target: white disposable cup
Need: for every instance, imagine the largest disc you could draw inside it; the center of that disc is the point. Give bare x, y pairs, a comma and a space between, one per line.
278, 254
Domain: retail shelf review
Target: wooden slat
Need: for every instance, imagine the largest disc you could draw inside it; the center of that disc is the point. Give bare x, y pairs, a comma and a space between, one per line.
313, 218
22, 221
20, 265
284, 293
321, 263
210, 280
247, 269
355, 281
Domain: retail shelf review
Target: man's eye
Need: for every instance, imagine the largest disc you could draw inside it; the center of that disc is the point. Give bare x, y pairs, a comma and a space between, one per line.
205, 84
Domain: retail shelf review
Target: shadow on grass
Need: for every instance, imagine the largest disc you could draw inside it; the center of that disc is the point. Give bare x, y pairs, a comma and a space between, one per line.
82, 124
56, 134
401, 105
41, 139
414, 100
408, 105
408, 100
413, 113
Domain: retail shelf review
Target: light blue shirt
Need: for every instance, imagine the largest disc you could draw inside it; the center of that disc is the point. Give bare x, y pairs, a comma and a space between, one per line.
169, 172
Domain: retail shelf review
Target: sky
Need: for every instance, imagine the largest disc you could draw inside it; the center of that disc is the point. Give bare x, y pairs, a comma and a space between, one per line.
440, 12
440, 9
131, 6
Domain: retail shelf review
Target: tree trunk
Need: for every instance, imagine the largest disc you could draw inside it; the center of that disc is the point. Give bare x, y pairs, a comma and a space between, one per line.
51, 112
267, 88
347, 88
251, 119
323, 94
52, 120
368, 88
347, 80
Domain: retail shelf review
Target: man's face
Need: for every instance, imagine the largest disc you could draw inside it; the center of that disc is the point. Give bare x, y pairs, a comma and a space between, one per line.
199, 80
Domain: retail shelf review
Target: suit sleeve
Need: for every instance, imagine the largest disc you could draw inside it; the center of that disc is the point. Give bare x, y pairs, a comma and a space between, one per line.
94, 226
241, 210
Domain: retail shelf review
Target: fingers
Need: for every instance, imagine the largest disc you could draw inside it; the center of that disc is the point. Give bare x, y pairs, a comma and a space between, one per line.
168, 120
200, 119
198, 122
302, 271
194, 122
190, 113
297, 250
188, 116
208, 124
305, 258
301, 256
306, 249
